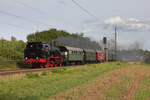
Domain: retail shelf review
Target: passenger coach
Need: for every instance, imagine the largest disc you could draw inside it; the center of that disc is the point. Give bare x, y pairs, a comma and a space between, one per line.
71, 55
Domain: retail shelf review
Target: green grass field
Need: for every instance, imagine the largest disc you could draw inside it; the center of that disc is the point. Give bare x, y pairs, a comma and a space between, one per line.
42, 87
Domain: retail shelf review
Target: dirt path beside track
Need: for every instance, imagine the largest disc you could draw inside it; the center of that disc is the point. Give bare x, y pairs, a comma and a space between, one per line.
120, 84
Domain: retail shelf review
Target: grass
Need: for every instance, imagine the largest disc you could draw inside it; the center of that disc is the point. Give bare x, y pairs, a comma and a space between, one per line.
145, 64
118, 90
32, 75
144, 92
44, 86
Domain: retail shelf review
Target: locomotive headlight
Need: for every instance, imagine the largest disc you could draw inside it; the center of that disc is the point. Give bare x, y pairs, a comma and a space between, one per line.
37, 57
26, 57
65, 53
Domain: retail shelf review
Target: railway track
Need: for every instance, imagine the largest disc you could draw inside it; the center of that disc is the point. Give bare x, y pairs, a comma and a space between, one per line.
23, 71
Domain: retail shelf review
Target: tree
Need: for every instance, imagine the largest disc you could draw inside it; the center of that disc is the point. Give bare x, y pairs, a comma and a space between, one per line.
46, 36
13, 38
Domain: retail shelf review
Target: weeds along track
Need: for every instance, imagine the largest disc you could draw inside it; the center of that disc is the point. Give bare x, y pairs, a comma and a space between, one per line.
24, 71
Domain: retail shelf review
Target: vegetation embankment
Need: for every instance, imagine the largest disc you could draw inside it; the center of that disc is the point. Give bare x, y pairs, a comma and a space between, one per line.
41, 87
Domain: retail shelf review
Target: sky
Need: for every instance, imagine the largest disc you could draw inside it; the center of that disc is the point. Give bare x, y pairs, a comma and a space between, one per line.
94, 18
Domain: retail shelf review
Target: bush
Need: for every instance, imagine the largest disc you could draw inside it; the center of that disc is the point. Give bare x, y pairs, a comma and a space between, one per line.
32, 75
44, 73
59, 70
118, 63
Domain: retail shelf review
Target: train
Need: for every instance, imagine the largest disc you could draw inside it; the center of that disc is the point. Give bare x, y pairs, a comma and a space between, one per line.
45, 55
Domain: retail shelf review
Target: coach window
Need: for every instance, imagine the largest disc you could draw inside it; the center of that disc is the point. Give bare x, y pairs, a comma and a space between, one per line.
70, 52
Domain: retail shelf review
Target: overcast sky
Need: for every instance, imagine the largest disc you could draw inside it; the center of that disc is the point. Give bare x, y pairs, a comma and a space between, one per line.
132, 18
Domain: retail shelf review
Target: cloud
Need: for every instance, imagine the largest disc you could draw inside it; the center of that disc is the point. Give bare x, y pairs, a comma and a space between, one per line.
133, 20
114, 20
131, 24
86, 30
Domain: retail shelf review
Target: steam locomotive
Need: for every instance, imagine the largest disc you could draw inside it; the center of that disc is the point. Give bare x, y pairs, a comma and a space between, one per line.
45, 55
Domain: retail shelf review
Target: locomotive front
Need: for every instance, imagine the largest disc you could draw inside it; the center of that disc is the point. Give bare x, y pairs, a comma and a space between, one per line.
37, 53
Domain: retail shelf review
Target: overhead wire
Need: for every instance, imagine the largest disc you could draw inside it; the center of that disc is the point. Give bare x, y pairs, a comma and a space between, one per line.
26, 5
83, 9
17, 26
24, 18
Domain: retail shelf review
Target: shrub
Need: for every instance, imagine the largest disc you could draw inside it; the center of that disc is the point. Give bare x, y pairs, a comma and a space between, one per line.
59, 70
44, 73
118, 63
32, 75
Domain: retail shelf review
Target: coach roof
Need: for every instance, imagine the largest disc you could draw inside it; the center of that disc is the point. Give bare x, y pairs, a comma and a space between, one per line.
73, 48
89, 50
